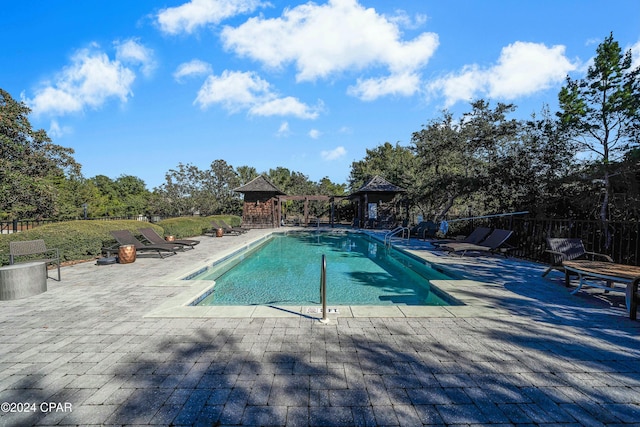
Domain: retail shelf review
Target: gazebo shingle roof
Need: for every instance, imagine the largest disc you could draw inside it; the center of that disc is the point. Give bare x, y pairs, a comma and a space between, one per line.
261, 184
378, 184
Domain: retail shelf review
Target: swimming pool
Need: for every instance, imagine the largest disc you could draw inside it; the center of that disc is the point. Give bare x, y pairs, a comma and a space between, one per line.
285, 270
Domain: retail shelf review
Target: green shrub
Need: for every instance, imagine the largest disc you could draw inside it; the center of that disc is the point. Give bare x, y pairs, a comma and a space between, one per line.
76, 240
82, 240
185, 227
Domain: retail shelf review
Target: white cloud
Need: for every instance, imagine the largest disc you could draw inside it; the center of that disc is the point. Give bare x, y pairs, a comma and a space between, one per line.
56, 131
130, 51
525, 68
233, 89
287, 106
90, 80
522, 69
197, 13
236, 91
398, 84
460, 87
635, 54
195, 67
314, 133
403, 19
284, 130
337, 37
334, 154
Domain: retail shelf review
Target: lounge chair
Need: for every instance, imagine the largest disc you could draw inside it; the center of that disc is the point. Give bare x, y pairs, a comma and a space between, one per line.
227, 230
565, 249
125, 237
494, 242
226, 226
154, 238
476, 236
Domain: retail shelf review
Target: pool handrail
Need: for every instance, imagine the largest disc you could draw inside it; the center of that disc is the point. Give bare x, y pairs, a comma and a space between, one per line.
398, 229
323, 289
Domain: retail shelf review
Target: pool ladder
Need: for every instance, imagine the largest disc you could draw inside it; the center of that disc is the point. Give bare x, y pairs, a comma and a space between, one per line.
397, 230
323, 289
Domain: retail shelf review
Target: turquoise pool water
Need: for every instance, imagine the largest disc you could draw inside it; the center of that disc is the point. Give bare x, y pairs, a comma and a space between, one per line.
285, 270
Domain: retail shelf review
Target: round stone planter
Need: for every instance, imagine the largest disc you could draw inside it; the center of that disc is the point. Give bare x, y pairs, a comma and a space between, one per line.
22, 280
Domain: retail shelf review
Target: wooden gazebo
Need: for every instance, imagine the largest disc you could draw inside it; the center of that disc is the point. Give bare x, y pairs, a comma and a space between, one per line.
261, 207
370, 199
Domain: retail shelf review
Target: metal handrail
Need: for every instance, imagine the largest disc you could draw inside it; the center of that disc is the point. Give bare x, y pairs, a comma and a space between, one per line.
390, 234
323, 289
488, 216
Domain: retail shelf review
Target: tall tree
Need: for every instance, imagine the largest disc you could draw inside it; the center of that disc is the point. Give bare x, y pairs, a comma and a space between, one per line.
217, 194
461, 160
178, 195
447, 167
394, 163
601, 111
30, 164
537, 167
246, 174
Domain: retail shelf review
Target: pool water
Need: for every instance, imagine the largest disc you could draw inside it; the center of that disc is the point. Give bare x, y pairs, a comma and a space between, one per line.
285, 270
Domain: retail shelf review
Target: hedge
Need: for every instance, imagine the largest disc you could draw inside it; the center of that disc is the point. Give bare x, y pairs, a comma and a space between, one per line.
194, 226
83, 240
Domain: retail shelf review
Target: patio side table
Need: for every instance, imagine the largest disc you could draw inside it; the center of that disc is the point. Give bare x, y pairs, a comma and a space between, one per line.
22, 280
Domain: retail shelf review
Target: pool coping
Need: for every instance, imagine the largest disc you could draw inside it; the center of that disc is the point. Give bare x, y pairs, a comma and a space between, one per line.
179, 306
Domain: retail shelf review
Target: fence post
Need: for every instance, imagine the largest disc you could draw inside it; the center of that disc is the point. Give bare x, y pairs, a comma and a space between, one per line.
15, 225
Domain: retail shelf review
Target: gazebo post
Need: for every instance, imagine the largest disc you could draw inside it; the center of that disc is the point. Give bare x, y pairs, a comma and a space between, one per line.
332, 211
261, 203
378, 191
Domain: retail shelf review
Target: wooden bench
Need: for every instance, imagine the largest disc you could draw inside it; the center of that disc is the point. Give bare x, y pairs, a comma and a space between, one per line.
28, 248
603, 275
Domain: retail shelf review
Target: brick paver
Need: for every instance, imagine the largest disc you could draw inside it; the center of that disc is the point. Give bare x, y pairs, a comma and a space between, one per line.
97, 349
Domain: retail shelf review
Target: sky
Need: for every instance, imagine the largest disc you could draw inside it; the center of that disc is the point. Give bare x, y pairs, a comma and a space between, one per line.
138, 87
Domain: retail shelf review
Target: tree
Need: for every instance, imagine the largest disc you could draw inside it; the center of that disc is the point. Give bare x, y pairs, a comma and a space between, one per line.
178, 195
30, 164
447, 167
217, 195
246, 174
328, 188
394, 163
539, 166
601, 112
461, 161
123, 197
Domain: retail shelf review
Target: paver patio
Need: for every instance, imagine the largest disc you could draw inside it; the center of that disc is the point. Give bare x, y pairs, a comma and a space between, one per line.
105, 346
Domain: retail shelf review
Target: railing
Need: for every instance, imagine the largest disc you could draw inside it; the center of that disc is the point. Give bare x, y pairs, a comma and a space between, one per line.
8, 227
323, 289
620, 240
15, 226
389, 234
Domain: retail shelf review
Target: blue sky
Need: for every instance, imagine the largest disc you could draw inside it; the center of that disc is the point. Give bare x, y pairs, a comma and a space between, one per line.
136, 87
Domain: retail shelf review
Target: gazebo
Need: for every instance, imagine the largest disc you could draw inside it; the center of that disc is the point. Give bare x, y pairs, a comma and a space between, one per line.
370, 200
261, 206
